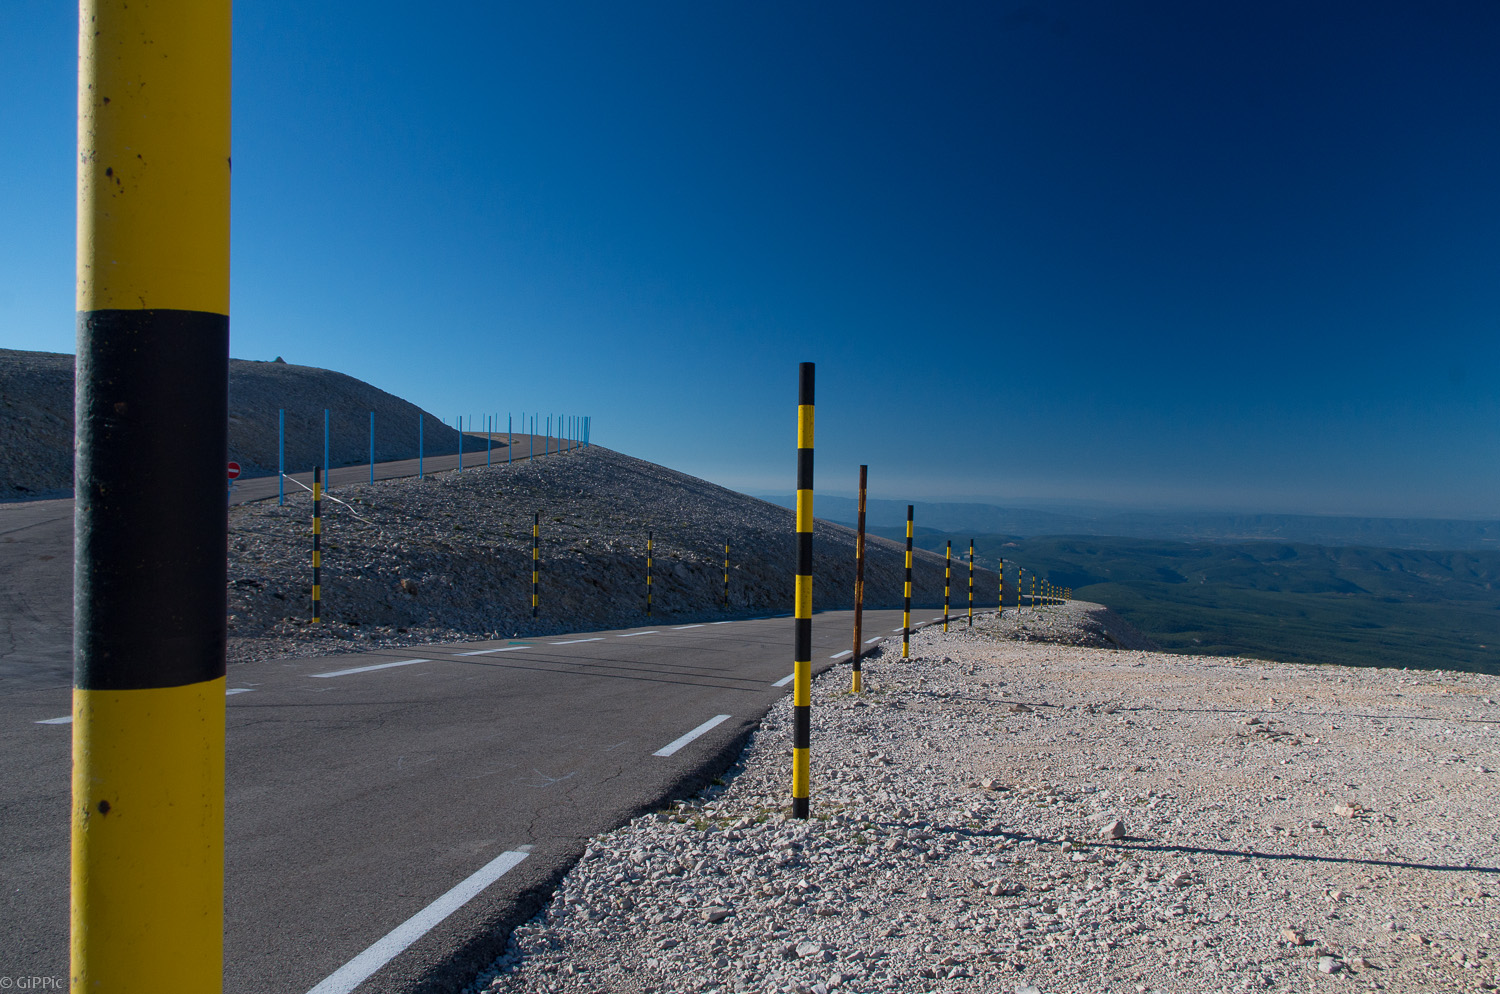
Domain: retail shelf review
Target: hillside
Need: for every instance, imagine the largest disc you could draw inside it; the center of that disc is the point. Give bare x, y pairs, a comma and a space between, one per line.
450, 557
36, 421
1292, 602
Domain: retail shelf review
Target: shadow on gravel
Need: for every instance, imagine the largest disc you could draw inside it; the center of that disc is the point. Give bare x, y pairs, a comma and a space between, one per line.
1141, 845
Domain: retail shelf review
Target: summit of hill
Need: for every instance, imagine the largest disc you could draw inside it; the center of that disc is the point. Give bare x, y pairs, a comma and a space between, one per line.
36, 420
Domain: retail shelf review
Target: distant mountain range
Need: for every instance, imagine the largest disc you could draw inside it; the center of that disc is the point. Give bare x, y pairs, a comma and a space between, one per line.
1186, 526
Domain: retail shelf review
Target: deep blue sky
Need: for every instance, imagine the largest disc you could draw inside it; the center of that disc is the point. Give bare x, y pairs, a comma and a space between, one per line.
1239, 255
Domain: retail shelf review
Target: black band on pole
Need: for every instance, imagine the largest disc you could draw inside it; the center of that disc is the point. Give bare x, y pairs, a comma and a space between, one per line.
152, 396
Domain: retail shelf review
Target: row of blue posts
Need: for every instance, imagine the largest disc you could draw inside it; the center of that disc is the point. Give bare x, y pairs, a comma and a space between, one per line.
578, 433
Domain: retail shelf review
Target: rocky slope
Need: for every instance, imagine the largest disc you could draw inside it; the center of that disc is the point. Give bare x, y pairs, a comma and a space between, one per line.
449, 556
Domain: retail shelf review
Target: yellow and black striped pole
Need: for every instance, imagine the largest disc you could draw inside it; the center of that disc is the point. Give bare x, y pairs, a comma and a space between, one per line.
150, 549
726, 575
1000, 603
947, 580
859, 581
906, 605
1033, 594
648, 574
802, 623
536, 562
971, 583
317, 562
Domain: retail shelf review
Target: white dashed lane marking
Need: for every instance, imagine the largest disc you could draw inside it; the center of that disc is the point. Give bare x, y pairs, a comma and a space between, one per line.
367, 669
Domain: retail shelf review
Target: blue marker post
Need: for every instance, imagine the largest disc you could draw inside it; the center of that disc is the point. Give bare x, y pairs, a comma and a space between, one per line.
489, 440
281, 460
531, 441
372, 446
510, 441
460, 443
419, 445
326, 479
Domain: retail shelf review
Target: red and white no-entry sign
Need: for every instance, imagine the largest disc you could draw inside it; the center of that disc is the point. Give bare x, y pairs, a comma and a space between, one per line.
234, 471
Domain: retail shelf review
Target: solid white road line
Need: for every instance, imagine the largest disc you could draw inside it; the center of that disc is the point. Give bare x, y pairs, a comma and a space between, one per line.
683, 628
366, 669
357, 970
873, 640
721, 622
486, 652
239, 690
676, 744
784, 680
56, 721
841, 655
898, 629
576, 641
631, 635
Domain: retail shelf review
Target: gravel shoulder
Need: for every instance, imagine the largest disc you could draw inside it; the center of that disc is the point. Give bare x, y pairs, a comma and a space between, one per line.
1005, 813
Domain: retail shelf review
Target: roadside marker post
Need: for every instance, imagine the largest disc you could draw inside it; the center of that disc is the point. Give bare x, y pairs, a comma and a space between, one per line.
859, 581
726, 575
947, 581
510, 440
460, 423
971, 583
536, 560
281, 459
146, 816
530, 439
802, 613
648, 574
906, 605
489, 440
1000, 601
372, 446
326, 465
419, 445
317, 550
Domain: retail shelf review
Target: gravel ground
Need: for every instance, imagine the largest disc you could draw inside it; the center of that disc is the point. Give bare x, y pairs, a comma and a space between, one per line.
448, 558
1003, 813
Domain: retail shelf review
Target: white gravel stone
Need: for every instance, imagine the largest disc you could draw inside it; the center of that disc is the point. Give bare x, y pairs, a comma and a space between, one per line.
923, 875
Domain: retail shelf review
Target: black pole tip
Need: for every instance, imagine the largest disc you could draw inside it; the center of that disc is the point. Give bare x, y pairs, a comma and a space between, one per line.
805, 383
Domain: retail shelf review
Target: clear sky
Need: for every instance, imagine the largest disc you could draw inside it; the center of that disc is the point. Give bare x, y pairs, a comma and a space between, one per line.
1221, 255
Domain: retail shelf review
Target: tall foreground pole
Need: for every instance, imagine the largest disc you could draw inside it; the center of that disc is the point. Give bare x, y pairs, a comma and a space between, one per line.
536, 561
802, 623
906, 605
859, 578
150, 549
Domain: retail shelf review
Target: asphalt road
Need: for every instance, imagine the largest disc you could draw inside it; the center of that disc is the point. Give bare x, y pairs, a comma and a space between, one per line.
36, 559
355, 800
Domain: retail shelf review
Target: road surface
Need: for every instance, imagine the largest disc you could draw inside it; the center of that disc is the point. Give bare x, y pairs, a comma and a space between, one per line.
363, 789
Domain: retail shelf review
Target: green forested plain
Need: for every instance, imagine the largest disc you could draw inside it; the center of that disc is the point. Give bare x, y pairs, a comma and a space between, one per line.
1289, 602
